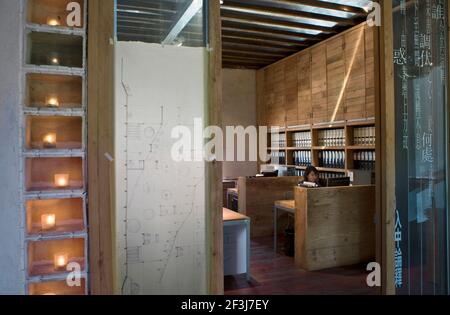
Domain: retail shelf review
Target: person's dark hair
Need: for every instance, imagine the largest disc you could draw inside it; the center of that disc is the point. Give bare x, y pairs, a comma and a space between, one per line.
309, 170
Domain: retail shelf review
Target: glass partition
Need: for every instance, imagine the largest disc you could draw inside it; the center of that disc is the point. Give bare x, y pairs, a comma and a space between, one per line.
421, 84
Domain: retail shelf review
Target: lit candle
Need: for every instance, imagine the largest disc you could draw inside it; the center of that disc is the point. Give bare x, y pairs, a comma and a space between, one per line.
53, 58
61, 261
51, 101
49, 293
55, 61
61, 180
48, 222
50, 141
53, 21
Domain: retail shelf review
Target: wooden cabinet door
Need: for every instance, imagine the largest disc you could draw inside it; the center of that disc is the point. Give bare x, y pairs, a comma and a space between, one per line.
355, 64
304, 88
336, 79
370, 71
319, 84
291, 90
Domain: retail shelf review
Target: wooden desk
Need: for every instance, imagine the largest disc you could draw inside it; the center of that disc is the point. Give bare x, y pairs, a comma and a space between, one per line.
334, 226
232, 219
281, 205
257, 196
229, 215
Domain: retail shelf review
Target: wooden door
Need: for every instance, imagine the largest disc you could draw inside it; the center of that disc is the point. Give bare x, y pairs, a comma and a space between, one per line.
304, 88
319, 84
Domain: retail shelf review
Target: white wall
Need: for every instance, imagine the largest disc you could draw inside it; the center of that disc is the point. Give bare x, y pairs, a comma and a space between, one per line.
239, 109
160, 215
11, 266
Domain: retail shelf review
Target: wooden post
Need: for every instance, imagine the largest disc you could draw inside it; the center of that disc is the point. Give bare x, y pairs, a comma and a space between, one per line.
100, 142
214, 220
387, 146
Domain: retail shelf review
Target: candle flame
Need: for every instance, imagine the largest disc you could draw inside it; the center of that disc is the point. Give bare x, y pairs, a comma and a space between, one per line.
53, 22
52, 101
62, 180
50, 138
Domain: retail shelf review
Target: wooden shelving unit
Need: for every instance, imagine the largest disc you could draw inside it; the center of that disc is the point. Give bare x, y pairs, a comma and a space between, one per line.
349, 147
54, 166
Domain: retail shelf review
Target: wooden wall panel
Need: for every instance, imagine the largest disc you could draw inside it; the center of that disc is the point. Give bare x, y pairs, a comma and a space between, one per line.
319, 84
370, 71
214, 203
278, 111
355, 63
291, 90
101, 141
261, 98
257, 198
334, 226
304, 88
335, 82
335, 79
269, 96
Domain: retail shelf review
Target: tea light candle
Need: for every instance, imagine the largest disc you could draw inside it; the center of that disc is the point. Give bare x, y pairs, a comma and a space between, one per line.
48, 222
53, 21
50, 141
52, 101
61, 180
55, 61
60, 261
53, 58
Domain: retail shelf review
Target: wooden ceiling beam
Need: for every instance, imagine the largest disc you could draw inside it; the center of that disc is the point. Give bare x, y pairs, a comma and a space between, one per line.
239, 25
262, 42
256, 59
286, 9
242, 53
256, 48
328, 5
276, 21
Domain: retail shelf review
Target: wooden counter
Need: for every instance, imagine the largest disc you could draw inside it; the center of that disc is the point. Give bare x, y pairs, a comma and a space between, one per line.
229, 215
334, 226
257, 196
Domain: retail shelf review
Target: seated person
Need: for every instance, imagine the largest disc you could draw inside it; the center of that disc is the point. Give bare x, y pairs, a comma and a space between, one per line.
311, 176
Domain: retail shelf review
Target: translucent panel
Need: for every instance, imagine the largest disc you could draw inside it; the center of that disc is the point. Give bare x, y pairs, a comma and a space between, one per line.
421, 87
54, 216
47, 133
44, 174
51, 12
45, 90
52, 257
48, 49
172, 22
56, 288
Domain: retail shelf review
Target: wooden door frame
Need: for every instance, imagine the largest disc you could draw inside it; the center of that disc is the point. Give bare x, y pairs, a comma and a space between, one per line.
214, 202
101, 177
101, 180
386, 144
